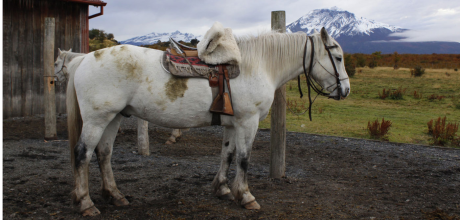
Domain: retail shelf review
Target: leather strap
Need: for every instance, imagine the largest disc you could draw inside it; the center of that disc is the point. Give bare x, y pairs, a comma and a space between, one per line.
221, 80
227, 80
216, 119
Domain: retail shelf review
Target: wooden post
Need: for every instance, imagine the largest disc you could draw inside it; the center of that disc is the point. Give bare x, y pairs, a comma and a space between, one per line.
143, 137
278, 114
48, 74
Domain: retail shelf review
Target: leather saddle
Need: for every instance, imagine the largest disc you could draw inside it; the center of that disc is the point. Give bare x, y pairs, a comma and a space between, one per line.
183, 61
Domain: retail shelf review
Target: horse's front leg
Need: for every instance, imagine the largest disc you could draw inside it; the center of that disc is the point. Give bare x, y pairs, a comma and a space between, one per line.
219, 184
104, 153
244, 137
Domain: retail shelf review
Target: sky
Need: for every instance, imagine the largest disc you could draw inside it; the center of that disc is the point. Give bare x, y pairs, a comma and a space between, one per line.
427, 20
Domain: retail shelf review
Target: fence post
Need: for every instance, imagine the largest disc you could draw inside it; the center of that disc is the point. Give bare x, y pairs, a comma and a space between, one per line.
278, 114
49, 97
143, 137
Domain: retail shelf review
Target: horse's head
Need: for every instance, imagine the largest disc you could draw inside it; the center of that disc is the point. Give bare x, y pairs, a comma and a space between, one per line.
328, 68
60, 68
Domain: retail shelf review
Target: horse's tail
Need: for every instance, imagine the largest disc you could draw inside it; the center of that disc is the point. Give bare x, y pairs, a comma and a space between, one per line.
74, 121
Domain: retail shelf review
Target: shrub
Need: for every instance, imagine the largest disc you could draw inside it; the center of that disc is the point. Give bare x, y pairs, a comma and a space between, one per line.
434, 96
384, 94
398, 94
441, 133
417, 71
456, 69
417, 95
379, 130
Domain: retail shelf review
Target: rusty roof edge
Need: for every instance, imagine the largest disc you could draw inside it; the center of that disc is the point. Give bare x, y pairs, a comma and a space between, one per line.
89, 2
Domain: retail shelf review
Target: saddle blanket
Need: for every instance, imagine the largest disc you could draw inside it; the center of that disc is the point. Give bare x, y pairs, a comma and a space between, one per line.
178, 66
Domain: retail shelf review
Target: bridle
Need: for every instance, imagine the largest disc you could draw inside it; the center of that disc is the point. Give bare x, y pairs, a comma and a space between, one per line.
311, 80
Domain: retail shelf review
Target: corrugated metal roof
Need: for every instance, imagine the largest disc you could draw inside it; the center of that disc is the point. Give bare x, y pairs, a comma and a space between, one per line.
89, 2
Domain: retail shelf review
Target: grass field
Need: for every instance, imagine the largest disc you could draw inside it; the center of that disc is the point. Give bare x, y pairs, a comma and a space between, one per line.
409, 116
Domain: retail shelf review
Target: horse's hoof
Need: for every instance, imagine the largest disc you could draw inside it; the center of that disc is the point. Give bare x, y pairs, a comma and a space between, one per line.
227, 196
252, 205
169, 142
120, 202
92, 211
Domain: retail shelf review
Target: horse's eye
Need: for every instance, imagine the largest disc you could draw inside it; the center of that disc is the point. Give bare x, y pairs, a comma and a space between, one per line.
55, 64
339, 59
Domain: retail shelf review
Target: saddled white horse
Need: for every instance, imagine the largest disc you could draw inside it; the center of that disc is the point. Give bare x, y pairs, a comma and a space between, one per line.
64, 64
129, 80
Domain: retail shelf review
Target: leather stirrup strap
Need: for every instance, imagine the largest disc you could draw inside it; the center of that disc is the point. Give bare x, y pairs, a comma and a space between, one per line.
221, 80
227, 81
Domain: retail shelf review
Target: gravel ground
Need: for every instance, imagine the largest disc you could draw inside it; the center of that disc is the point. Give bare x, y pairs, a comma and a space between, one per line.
327, 177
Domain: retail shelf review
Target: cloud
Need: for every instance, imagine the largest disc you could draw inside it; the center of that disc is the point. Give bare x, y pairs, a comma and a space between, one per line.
427, 19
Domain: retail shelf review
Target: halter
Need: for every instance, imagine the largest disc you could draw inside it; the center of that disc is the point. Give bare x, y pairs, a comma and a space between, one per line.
62, 67
310, 79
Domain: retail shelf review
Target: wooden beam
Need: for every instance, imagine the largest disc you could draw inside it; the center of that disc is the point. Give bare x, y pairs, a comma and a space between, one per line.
49, 95
143, 137
278, 114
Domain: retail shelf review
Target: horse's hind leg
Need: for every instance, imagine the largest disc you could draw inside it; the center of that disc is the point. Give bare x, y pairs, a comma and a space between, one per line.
176, 133
244, 137
91, 134
219, 184
104, 153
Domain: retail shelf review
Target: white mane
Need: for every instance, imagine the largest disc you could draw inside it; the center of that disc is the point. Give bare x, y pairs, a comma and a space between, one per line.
271, 51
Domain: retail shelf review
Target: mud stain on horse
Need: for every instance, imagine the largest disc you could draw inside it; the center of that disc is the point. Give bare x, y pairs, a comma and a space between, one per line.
127, 63
161, 104
176, 88
149, 82
98, 54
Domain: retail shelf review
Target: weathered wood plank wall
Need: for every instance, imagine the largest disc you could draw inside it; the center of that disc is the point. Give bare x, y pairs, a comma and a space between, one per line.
23, 30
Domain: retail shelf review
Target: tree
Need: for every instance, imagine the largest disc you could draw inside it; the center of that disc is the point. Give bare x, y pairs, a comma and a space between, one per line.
396, 59
360, 60
374, 59
194, 42
110, 36
350, 65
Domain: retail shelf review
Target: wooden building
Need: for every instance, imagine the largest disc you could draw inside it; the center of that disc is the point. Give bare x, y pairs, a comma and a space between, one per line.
23, 38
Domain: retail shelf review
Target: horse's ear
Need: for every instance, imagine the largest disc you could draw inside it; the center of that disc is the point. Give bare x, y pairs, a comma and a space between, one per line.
324, 35
60, 52
70, 50
315, 31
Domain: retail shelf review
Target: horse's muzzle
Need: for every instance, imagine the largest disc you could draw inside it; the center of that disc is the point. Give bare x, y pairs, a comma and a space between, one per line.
340, 96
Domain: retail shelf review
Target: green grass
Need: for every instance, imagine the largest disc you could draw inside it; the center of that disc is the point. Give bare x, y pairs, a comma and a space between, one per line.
349, 117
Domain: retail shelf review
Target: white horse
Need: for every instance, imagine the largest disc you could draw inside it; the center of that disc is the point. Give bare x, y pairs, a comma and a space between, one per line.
64, 64
129, 80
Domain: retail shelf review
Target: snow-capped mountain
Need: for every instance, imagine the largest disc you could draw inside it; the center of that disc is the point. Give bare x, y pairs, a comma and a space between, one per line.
339, 23
153, 38
362, 35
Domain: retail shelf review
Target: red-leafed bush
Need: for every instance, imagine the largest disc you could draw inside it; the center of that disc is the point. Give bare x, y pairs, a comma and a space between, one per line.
441, 133
379, 130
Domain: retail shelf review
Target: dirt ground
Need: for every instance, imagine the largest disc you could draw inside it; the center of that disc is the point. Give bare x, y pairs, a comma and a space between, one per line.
327, 177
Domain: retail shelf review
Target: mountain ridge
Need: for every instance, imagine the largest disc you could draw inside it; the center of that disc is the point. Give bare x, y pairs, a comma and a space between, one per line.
355, 35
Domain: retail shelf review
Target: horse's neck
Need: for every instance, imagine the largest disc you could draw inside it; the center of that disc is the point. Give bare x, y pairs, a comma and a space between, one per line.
280, 62
73, 60
71, 55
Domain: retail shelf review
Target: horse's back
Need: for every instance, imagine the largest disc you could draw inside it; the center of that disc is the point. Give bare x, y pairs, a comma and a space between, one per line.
131, 79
